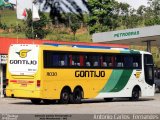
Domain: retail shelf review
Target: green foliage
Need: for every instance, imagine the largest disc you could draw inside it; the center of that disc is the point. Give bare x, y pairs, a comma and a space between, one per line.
132, 20
109, 15
153, 13
17, 28
101, 12
4, 26
74, 24
36, 29
74, 27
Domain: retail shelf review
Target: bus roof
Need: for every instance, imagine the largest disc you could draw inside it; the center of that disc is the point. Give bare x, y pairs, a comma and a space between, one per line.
85, 48
94, 46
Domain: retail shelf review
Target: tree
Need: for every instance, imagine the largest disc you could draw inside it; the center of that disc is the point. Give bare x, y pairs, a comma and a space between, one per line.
122, 13
155, 7
141, 11
36, 29
133, 19
102, 15
74, 23
153, 13
127, 16
74, 27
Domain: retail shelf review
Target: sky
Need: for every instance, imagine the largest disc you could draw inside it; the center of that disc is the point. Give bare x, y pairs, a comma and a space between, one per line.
134, 3
12, 1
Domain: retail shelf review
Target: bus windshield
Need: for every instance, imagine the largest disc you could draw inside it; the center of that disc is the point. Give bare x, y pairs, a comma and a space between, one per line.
23, 59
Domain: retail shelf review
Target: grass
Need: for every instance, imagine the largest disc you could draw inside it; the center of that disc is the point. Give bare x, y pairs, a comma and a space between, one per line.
8, 17
12, 35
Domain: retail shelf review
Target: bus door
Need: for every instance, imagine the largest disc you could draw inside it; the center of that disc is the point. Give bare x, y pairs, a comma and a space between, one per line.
148, 69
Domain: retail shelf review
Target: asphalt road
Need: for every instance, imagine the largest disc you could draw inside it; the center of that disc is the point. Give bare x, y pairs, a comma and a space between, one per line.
149, 105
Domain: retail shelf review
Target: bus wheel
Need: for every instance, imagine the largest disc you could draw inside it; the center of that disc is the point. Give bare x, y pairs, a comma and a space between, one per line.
77, 96
135, 94
65, 95
108, 99
36, 101
45, 101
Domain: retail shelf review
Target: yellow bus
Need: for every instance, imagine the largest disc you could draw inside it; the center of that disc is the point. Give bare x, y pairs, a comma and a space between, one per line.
69, 74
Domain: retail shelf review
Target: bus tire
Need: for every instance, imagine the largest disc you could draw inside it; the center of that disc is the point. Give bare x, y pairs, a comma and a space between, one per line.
108, 99
77, 96
45, 101
36, 101
65, 96
135, 94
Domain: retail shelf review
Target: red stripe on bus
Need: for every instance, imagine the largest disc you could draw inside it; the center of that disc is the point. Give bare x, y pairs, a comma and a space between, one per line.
13, 80
30, 81
21, 81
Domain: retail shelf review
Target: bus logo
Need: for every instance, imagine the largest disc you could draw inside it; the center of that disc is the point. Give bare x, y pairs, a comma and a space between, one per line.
23, 53
137, 75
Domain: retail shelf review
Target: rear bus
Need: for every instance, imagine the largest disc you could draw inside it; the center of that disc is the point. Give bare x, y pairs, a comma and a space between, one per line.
22, 72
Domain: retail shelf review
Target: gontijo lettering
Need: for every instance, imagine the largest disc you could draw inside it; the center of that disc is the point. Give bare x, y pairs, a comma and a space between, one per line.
126, 34
89, 73
23, 62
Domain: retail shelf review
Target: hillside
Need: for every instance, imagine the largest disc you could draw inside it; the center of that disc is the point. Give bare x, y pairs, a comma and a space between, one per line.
9, 24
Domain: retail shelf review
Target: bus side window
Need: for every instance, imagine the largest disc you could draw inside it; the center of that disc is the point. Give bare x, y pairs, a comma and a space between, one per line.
110, 60
110, 64
92, 60
81, 60
87, 61
96, 59
95, 64
71, 62
88, 64
113, 61
106, 61
128, 61
137, 62
75, 60
52, 59
62, 63
119, 64
119, 61
55, 60
104, 64
63, 60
